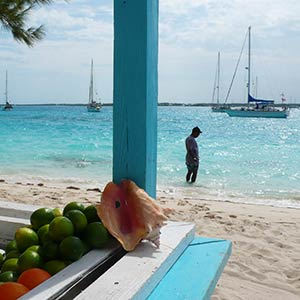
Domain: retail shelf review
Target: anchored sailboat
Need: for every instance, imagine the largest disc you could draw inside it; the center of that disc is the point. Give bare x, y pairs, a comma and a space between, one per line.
216, 92
7, 105
262, 108
93, 105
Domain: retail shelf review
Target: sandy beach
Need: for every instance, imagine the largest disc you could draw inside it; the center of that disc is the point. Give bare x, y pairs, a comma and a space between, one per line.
265, 261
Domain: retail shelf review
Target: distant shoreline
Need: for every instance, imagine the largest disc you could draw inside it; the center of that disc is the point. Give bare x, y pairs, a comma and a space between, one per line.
290, 105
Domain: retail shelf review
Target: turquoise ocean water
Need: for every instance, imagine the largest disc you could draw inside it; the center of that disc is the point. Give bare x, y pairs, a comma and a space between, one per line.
241, 159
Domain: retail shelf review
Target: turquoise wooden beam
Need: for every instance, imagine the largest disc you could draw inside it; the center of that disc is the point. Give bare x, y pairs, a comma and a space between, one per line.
135, 92
196, 272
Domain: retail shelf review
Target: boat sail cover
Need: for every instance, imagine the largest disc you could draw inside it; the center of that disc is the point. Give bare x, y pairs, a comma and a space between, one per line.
260, 101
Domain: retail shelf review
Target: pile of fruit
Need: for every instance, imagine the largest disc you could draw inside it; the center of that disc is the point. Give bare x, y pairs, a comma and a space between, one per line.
54, 239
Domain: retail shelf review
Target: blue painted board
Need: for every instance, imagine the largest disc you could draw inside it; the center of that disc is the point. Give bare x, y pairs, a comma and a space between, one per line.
135, 92
196, 272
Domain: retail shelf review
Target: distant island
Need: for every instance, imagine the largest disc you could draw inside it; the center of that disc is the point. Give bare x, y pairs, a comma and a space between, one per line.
290, 105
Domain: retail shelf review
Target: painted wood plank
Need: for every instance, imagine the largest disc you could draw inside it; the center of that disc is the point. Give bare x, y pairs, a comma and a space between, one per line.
53, 287
135, 92
8, 227
196, 272
17, 210
13, 216
138, 272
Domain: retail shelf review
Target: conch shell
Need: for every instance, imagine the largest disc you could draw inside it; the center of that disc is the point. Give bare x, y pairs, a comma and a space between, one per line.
130, 214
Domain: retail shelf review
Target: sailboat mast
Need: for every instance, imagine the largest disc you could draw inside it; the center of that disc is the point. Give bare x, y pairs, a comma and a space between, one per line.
91, 91
6, 90
249, 59
218, 81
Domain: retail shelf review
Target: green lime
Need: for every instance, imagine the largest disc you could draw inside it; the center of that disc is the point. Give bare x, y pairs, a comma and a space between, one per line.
54, 266
96, 235
91, 214
57, 211
43, 233
28, 260
86, 247
36, 248
73, 205
8, 276
10, 265
41, 217
71, 248
12, 245
50, 250
26, 237
1, 259
59, 228
78, 219
12, 254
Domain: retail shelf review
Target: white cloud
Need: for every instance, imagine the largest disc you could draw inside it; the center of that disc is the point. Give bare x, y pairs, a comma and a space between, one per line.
191, 33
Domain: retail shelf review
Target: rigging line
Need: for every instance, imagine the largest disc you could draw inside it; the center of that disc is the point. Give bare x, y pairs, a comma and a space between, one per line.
235, 71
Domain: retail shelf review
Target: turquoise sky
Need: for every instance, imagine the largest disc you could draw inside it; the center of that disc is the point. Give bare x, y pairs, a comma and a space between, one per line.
57, 69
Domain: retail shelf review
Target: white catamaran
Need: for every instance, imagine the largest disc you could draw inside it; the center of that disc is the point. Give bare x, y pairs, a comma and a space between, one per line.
257, 108
7, 105
93, 105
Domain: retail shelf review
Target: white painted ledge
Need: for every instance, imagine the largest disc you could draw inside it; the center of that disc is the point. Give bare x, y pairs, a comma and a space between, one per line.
17, 210
138, 272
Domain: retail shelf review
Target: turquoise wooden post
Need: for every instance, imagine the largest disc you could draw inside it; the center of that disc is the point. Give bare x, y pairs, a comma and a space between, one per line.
135, 92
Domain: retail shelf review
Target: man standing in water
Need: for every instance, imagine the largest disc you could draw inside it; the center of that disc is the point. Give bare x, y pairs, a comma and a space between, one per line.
192, 154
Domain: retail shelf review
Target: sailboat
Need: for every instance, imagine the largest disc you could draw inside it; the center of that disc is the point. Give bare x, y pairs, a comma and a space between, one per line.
7, 105
93, 105
218, 107
257, 108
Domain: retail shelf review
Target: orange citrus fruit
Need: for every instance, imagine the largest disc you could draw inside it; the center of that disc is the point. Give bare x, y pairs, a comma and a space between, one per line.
26, 237
71, 248
78, 219
12, 290
96, 235
41, 217
59, 228
54, 266
29, 259
73, 205
33, 277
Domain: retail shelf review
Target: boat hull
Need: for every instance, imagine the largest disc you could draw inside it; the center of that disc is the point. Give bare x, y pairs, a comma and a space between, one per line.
257, 113
218, 110
7, 106
93, 109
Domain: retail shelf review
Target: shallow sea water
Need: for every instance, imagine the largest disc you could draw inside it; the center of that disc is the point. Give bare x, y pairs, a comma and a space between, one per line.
241, 159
